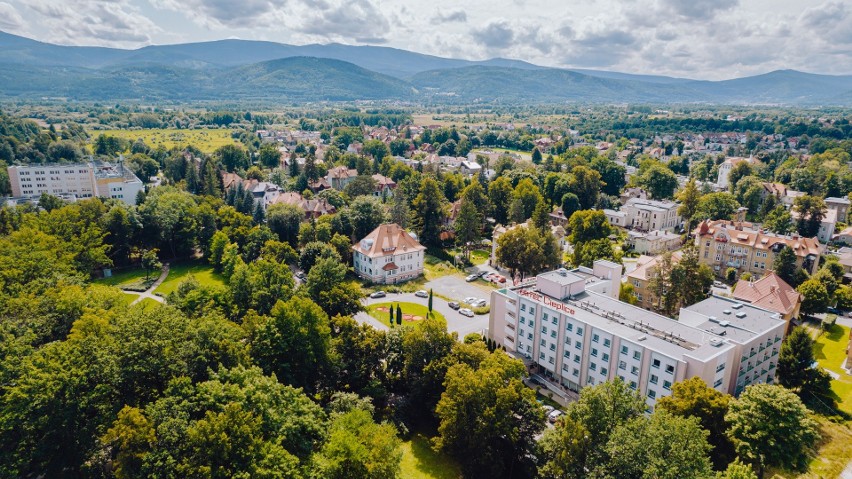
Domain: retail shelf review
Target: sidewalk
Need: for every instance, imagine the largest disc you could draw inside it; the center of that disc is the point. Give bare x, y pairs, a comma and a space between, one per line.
149, 293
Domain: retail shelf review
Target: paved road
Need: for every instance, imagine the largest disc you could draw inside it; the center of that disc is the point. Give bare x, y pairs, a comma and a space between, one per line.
149, 293
455, 321
457, 288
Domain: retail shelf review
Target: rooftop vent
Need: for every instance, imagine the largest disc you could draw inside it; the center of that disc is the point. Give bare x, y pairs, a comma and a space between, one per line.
716, 342
712, 319
727, 311
642, 338
562, 272
741, 315
737, 306
724, 324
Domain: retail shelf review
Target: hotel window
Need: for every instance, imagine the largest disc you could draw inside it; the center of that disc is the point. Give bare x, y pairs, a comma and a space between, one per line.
532, 309
523, 307
579, 331
633, 385
550, 360
622, 365
654, 379
636, 355
578, 345
523, 320
593, 367
656, 363
529, 336
652, 394
717, 383
667, 385
541, 356
720, 367
624, 350
569, 327
603, 371
543, 343
576, 358
594, 352
596, 338
544, 317
634, 370
669, 368
575, 373
553, 333
555, 320
553, 347
544, 330
566, 354
607, 342
605, 357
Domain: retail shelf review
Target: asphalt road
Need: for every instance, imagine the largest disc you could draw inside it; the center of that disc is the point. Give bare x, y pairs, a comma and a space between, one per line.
455, 321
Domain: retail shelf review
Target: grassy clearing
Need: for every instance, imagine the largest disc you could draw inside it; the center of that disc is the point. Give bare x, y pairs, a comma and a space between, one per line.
205, 140
124, 277
202, 272
148, 304
830, 352
832, 456
412, 313
420, 461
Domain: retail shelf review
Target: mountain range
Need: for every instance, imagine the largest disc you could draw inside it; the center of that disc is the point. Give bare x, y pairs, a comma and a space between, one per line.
267, 71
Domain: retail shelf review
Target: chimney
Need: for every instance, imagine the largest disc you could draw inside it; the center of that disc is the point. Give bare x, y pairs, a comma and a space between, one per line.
772, 289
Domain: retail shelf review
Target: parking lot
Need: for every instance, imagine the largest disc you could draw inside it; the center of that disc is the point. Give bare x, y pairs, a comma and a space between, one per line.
456, 288
455, 321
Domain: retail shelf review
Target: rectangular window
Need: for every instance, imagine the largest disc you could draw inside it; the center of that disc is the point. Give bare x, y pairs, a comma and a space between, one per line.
544, 329
576, 358
550, 360
667, 385
594, 352
575, 373
607, 342
569, 327
593, 367
655, 363
542, 342
633, 385
634, 370
669, 368
553, 347
595, 338
553, 333
654, 379
578, 345
652, 394
636, 355
541, 355
720, 367
555, 320
579, 331
622, 365
603, 371
605, 357
717, 383
624, 350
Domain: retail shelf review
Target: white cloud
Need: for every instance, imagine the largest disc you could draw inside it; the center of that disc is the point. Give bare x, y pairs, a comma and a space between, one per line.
10, 19
92, 22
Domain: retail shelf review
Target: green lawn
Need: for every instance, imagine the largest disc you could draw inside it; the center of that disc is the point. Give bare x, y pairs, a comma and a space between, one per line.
202, 271
148, 304
830, 351
124, 277
420, 461
418, 311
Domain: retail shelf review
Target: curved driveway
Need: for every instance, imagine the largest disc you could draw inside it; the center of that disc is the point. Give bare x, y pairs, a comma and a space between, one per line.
455, 322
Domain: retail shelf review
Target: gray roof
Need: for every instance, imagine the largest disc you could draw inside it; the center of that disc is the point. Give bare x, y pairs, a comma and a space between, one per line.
744, 320
562, 276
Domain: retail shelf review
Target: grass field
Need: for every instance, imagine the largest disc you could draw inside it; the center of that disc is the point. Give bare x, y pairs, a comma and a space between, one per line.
420, 461
147, 304
126, 276
412, 313
205, 140
830, 351
202, 271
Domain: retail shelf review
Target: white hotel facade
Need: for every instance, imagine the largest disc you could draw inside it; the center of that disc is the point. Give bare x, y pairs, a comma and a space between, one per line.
83, 180
571, 325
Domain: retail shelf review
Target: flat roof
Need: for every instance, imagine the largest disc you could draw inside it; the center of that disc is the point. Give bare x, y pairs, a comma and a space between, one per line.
744, 320
653, 331
562, 276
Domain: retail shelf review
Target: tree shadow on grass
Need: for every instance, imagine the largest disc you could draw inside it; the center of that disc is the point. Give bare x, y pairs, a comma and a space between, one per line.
431, 463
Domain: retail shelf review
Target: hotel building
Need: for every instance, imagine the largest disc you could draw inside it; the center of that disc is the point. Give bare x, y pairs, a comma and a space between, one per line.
571, 326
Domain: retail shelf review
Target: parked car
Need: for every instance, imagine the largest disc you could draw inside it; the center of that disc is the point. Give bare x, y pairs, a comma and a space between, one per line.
482, 274
421, 294
547, 409
554, 415
718, 284
466, 312
378, 294
300, 274
471, 277
832, 310
501, 279
454, 305
478, 303
468, 300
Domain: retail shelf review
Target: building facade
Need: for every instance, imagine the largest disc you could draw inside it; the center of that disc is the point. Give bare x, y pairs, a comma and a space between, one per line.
724, 244
83, 180
654, 242
571, 326
388, 255
650, 215
641, 277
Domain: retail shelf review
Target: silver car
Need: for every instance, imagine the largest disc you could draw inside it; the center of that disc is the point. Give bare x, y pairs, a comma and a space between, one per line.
466, 312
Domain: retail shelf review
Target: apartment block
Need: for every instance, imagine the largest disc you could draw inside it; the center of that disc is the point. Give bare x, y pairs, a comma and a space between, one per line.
83, 180
572, 328
649, 215
724, 244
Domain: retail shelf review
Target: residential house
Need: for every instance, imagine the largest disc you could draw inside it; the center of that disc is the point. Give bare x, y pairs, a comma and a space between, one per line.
640, 277
844, 237
724, 244
772, 293
634, 192
826, 226
840, 206
313, 208
726, 167
557, 217
340, 176
388, 255
654, 242
384, 186
470, 168
616, 218
650, 215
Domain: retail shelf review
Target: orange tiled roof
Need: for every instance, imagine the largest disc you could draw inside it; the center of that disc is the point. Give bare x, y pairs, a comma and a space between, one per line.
744, 234
769, 292
387, 239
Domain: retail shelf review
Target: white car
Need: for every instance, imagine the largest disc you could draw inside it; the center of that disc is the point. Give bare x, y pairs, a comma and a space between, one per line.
469, 300
471, 277
466, 312
421, 294
479, 303
554, 415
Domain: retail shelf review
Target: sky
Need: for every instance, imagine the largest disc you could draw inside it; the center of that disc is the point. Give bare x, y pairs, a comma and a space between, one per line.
704, 39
